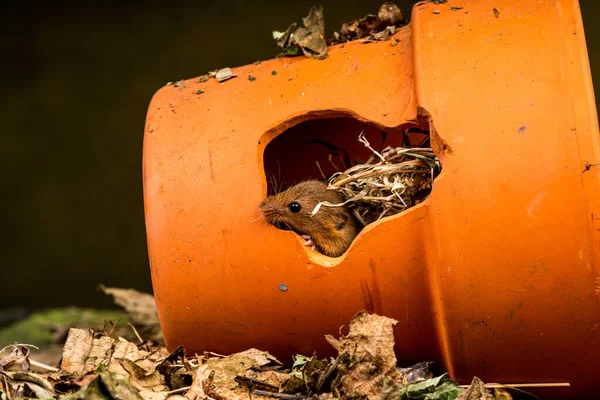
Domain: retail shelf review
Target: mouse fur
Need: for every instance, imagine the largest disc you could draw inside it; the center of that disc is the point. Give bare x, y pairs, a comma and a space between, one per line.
331, 229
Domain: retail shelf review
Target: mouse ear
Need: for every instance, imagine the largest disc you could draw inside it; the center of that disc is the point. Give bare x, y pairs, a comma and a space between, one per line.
340, 221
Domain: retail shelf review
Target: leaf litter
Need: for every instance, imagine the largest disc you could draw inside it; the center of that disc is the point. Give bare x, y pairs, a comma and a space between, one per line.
99, 365
310, 40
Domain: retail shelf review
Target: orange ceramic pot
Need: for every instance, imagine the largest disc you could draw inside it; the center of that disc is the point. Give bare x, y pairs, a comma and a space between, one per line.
496, 274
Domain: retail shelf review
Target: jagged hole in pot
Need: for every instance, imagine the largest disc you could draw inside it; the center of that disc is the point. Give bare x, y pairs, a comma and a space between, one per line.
292, 156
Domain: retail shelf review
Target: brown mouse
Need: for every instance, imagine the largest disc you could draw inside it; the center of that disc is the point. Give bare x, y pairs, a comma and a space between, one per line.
331, 230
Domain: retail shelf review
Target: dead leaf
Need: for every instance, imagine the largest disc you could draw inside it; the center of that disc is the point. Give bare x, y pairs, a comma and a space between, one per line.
219, 378
373, 334
140, 308
333, 341
282, 38
99, 355
390, 14
19, 355
262, 358
106, 386
374, 27
360, 27
477, 391
415, 373
367, 363
224, 74
35, 384
139, 378
139, 366
310, 37
197, 392
75, 352
121, 357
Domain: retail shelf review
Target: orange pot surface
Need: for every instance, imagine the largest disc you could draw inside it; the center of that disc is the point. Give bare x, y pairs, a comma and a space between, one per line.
496, 274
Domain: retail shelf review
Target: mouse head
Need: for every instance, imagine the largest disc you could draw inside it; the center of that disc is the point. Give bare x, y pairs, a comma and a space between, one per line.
292, 208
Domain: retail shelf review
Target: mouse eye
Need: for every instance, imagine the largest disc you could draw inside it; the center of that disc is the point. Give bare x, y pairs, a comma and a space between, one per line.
295, 207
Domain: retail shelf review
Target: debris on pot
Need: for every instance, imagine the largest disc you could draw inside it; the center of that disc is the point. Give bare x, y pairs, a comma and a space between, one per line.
374, 27
310, 38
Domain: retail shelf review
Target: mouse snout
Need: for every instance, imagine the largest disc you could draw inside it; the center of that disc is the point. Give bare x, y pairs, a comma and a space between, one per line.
268, 209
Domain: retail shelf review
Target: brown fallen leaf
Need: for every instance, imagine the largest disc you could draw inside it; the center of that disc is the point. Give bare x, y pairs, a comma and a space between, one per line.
32, 384
310, 38
283, 38
106, 386
140, 308
138, 365
83, 354
390, 14
373, 334
138, 377
367, 362
219, 378
374, 27
201, 376
19, 355
477, 391
262, 358
76, 351
360, 27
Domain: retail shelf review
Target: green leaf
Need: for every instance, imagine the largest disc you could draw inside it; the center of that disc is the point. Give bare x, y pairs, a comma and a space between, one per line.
299, 361
439, 388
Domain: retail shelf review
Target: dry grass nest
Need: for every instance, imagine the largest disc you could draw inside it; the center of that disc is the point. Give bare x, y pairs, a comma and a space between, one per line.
391, 181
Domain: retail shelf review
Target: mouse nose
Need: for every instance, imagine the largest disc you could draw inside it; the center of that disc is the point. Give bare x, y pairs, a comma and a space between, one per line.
268, 209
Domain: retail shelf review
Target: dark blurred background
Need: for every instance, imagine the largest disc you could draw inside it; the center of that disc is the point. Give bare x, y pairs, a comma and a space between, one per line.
76, 83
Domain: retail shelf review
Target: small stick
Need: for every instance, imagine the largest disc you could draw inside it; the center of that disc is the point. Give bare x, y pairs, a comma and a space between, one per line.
330, 158
136, 333
257, 382
280, 395
321, 171
8, 395
182, 389
207, 353
43, 366
327, 373
524, 385
363, 140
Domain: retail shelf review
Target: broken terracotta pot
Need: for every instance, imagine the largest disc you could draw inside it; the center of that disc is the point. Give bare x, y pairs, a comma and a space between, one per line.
496, 274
